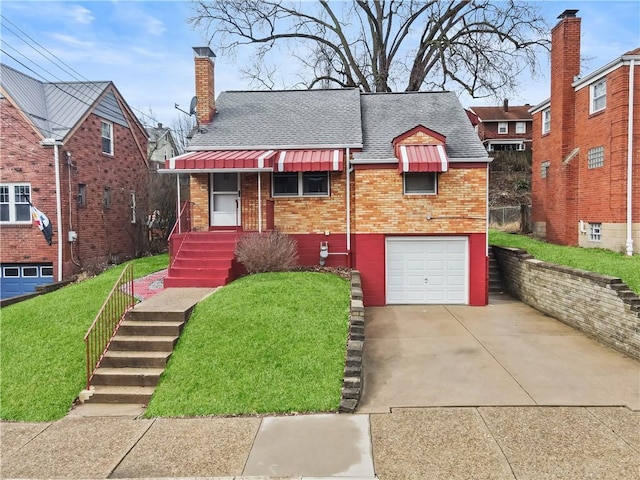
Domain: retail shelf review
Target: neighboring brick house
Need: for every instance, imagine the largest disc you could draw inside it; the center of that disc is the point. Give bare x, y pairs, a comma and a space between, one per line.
87, 129
586, 165
161, 146
392, 184
503, 128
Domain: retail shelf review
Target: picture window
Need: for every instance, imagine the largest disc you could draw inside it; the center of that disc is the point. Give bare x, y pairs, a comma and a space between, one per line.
296, 184
420, 183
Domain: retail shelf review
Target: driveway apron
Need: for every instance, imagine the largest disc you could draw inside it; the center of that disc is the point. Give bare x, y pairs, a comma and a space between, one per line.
504, 354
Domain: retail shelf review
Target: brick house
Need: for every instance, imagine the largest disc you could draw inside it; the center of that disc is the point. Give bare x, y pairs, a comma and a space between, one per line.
503, 128
586, 165
392, 184
95, 200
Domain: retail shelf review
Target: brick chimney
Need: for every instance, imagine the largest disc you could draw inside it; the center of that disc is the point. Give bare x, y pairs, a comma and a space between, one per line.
565, 67
205, 85
505, 105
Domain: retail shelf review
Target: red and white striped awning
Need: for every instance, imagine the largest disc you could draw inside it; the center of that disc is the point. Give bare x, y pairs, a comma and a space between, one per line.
309, 161
423, 158
222, 160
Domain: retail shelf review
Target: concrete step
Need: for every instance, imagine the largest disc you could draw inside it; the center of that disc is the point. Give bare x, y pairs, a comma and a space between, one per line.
186, 281
145, 343
158, 316
115, 359
127, 376
120, 394
150, 328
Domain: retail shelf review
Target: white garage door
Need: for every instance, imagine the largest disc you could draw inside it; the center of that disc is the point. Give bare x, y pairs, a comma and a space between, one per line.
427, 270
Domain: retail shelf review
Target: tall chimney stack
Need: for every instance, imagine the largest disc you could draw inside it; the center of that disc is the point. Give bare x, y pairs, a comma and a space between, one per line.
505, 105
565, 66
205, 84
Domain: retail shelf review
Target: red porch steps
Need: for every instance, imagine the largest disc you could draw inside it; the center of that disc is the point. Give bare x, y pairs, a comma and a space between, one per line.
203, 259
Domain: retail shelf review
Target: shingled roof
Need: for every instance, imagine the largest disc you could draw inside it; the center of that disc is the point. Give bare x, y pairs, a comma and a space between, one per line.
498, 114
283, 119
296, 119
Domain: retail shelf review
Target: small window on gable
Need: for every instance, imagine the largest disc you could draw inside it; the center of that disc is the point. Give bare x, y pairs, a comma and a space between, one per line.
598, 95
595, 157
544, 169
420, 183
521, 127
546, 121
503, 128
107, 138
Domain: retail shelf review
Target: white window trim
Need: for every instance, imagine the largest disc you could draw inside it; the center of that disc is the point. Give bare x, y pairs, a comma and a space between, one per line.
133, 206
300, 187
435, 184
593, 98
110, 138
12, 203
504, 125
546, 120
521, 127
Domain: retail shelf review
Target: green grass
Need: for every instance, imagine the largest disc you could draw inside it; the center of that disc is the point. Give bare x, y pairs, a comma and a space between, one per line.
42, 353
267, 343
601, 261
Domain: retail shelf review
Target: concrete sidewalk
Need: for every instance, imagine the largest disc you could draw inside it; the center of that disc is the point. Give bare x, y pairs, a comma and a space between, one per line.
500, 392
424, 443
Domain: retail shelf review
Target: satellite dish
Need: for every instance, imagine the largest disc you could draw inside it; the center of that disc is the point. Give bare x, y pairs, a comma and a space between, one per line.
192, 107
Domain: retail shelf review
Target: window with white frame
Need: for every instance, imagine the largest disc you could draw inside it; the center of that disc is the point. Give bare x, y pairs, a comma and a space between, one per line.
598, 95
420, 183
544, 169
546, 120
503, 128
521, 127
14, 203
107, 138
595, 157
301, 184
595, 232
82, 195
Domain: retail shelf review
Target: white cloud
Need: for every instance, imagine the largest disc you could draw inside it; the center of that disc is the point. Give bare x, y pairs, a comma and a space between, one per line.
72, 41
81, 15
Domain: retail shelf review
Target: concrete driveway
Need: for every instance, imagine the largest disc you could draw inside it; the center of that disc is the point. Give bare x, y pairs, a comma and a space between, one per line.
505, 354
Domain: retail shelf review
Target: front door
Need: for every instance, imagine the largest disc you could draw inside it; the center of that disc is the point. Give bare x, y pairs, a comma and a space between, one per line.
225, 199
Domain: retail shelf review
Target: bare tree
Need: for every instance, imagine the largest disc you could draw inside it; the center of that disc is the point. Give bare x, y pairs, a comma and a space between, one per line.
478, 46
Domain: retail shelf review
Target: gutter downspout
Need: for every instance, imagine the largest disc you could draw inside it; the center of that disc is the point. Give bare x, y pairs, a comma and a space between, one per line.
259, 203
347, 168
630, 163
178, 206
52, 142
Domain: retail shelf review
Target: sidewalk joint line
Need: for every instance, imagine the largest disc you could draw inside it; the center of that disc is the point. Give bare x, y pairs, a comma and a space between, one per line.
495, 440
135, 443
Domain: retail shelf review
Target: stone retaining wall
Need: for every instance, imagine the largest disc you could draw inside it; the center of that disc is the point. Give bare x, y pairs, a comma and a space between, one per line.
352, 383
602, 307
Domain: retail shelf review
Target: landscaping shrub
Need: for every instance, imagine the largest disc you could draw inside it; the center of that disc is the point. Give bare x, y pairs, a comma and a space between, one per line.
267, 252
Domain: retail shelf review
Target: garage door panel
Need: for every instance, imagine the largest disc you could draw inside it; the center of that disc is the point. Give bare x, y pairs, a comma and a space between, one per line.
442, 261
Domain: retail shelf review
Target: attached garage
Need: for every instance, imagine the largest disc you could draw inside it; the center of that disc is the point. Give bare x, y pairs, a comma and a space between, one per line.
18, 279
427, 270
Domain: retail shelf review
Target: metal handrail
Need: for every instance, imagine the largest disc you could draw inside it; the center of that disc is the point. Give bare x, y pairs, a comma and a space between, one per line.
104, 327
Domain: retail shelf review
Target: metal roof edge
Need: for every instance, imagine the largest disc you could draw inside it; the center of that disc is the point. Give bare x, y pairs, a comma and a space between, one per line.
196, 148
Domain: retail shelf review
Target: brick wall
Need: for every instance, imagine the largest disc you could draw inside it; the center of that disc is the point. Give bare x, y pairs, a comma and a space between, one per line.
199, 193
459, 207
600, 306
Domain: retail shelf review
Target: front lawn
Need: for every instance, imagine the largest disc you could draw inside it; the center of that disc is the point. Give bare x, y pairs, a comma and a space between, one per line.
42, 353
266, 343
601, 261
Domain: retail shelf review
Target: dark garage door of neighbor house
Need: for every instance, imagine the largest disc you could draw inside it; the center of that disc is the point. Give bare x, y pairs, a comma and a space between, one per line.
20, 278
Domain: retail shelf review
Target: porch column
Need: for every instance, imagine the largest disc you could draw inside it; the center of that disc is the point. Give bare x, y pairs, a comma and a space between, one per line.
259, 204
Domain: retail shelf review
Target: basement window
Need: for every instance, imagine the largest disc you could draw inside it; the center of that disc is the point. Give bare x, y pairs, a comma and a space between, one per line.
595, 232
595, 157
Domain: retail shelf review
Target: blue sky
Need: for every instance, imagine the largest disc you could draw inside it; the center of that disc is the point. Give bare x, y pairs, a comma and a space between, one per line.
144, 47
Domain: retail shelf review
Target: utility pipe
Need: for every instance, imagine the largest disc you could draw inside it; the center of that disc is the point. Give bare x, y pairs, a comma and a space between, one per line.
630, 163
179, 207
347, 166
259, 204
